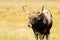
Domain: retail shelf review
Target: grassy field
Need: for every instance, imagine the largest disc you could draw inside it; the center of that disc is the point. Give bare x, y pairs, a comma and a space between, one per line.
13, 20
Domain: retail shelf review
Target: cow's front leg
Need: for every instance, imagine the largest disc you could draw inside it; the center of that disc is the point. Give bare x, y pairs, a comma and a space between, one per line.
36, 36
47, 35
41, 36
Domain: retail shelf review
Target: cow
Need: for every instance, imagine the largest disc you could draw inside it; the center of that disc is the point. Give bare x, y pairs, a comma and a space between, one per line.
40, 22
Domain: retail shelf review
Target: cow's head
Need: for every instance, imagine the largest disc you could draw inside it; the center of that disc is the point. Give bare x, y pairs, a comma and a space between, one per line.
33, 17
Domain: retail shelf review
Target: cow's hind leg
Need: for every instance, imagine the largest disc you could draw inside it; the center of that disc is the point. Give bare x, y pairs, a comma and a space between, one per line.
47, 35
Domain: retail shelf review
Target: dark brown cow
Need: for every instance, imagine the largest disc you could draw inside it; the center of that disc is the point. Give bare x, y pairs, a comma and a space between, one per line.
41, 23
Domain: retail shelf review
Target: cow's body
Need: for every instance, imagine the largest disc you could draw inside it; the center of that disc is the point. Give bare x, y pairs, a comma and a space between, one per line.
41, 23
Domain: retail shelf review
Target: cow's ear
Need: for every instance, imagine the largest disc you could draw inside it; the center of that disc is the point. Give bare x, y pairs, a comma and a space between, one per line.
37, 14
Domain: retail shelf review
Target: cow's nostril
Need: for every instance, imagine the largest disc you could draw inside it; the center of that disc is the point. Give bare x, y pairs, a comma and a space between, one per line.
29, 25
